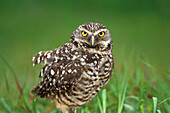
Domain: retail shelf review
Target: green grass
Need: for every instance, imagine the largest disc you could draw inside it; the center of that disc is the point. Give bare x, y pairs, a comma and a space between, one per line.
140, 83
135, 87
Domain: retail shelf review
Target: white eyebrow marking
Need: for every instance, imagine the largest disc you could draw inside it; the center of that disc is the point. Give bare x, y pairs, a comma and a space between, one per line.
90, 33
97, 32
83, 29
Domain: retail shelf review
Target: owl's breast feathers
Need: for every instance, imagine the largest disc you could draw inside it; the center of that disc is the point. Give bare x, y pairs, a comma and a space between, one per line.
66, 67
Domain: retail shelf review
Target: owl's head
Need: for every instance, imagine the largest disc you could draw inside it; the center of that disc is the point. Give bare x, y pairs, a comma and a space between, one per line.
92, 36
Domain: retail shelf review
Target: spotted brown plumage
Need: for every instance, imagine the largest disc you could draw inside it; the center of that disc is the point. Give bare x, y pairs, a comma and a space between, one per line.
74, 73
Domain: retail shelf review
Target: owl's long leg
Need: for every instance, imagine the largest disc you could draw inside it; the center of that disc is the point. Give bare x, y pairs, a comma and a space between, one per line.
73, 110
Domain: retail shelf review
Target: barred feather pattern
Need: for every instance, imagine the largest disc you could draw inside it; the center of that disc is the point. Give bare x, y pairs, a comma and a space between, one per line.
74, 73
72, 77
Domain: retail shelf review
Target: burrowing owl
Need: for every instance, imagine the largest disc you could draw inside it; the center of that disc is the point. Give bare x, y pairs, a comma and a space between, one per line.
75, 72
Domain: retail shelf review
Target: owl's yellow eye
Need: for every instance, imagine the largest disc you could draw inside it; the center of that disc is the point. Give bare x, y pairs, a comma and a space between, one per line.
84, 33
101, 34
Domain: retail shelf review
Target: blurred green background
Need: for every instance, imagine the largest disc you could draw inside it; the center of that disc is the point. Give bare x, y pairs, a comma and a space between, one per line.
29, 26
141, 27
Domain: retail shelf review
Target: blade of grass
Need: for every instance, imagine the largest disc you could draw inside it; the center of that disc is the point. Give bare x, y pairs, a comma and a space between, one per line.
158, 110
163, 86
122, 99
6, 81
33, 106
82, 111
5, 105
99, 104
142, 108
21, 107
118, 91
122, 91
87, 110
154, 104
104, 100
141, 95
25, 103
25, 79
129, 107
149, 109
50, 108
13, 73
163, 101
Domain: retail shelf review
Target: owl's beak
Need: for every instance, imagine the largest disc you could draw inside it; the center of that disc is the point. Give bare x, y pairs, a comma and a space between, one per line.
92, 40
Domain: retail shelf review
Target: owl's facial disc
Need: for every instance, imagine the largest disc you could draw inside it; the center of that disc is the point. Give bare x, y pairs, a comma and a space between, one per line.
92, 36
99, 40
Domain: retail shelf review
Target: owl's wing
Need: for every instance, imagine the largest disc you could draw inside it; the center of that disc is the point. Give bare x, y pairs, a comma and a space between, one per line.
59, 79
45, 56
